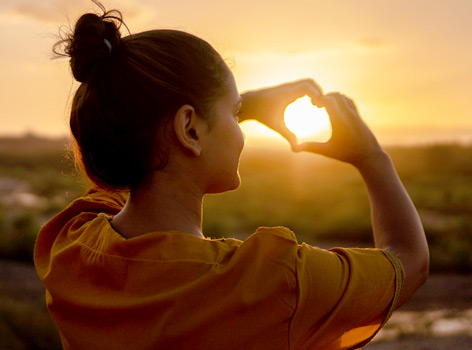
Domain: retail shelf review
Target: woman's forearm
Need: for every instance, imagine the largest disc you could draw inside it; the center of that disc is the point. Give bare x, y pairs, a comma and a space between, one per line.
395, 221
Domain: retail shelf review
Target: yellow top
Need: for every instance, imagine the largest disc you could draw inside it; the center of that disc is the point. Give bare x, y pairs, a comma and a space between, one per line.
172, 290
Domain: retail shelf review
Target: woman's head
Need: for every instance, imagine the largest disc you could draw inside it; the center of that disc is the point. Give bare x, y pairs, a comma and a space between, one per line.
130, 88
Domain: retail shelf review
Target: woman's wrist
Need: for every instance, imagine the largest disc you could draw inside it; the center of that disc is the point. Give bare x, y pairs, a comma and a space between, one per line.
374, 162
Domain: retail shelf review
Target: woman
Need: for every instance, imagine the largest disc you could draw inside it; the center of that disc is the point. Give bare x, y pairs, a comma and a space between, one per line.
155, 126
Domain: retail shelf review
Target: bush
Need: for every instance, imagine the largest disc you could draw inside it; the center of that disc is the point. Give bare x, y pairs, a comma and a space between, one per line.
18, 236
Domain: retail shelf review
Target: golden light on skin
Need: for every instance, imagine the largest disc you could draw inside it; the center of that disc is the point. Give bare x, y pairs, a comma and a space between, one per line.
307, 121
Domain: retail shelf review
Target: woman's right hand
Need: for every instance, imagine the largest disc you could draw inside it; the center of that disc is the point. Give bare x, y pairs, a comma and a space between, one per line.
351, 140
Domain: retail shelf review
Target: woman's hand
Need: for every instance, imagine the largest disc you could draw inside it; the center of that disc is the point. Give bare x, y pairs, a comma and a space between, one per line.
351, 140
268, 105
396, 224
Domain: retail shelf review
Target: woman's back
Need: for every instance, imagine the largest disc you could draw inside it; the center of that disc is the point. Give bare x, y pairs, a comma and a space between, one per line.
173, 290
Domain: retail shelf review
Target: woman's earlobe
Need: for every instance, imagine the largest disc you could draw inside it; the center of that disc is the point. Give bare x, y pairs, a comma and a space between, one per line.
186, 128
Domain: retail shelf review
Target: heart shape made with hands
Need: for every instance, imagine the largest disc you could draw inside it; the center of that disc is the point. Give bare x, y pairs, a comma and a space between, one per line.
307, 121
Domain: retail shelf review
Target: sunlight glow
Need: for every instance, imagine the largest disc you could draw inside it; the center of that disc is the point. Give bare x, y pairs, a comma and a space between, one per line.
307, 121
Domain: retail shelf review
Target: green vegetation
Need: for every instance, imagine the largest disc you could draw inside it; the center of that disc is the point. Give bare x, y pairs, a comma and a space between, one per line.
37, 179
321, 200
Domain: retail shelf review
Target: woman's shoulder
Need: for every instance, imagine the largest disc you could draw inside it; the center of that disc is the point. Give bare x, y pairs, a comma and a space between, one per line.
277, 233
110, 201
94, 201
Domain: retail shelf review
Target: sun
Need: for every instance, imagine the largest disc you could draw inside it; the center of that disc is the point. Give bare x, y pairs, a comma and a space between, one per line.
307, 121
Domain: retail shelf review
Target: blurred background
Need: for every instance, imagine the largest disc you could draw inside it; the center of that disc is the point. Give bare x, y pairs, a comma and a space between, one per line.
405, 63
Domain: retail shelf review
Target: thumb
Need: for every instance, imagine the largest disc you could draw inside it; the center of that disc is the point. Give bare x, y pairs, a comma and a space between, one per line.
313, 147
288, 135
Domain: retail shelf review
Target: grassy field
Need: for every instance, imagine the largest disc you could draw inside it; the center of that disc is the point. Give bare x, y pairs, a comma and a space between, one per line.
321, 200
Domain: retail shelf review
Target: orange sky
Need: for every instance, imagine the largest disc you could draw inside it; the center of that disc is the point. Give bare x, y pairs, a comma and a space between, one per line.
406, 62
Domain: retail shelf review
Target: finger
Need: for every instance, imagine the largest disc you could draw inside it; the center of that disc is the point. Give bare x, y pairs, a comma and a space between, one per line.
304, 87
311, 86
304, 82
345, 104
341, 109
315, 97
352, 105
313, 147
288, 135
332, 106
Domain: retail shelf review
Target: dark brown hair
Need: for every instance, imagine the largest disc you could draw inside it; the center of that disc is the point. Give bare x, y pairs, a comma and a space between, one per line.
130, 87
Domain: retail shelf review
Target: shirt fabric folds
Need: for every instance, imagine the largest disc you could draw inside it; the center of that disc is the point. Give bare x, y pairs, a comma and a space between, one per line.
172, 290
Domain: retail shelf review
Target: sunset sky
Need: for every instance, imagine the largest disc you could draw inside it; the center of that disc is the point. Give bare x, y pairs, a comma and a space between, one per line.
406, 63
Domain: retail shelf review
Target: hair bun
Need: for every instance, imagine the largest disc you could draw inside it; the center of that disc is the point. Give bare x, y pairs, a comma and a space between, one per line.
93, 40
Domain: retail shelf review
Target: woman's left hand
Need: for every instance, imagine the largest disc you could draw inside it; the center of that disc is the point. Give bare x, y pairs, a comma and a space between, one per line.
268, 105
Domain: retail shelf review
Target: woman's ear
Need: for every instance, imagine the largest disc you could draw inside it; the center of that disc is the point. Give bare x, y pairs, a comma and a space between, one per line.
187, 128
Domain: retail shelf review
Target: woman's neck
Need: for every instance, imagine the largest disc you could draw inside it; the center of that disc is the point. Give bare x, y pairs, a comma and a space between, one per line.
164, 203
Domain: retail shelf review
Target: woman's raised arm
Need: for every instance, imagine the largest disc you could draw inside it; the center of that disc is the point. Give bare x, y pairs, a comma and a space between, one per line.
395, 221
